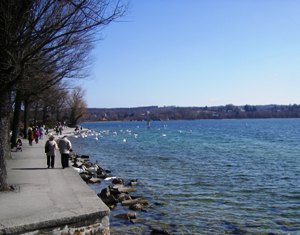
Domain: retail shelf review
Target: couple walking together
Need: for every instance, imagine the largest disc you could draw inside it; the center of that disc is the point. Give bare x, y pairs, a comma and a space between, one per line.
65, 147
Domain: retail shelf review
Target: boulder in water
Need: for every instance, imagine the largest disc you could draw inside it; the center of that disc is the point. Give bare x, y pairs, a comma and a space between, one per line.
122, 189
124, 196
127, 216
156, 231
118, 181
133, 182
134, 201
136, 206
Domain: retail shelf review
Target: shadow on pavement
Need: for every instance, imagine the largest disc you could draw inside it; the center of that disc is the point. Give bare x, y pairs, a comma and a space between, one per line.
31, 168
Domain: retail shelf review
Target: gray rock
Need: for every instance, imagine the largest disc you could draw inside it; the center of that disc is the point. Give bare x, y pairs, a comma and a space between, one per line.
86, 177
122, 189
127, 216
159, 232
136, 207
94, 180
124, 196
133, 182
134, 201
108, 198
118, 181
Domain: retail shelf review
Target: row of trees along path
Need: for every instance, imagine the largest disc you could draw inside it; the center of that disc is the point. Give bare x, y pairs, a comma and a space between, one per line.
44, 44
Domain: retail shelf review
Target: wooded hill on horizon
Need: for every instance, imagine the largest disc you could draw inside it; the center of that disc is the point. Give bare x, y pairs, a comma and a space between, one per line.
193, 113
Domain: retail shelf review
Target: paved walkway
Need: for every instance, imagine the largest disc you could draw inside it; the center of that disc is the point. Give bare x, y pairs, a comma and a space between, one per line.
45, 197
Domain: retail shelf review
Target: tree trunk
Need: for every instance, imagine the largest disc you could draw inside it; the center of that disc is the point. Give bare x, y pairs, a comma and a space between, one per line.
4, 138
26, 115
57, 115
72, 117
44, 115
16, 120
35, 117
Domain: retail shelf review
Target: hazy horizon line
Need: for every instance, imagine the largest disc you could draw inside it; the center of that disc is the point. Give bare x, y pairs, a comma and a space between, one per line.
191, 106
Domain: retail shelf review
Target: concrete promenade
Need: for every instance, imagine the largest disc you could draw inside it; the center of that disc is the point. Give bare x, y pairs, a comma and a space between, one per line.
48, 201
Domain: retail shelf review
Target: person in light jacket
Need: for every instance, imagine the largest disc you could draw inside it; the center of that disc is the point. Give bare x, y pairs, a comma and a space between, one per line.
65, 147
50, 148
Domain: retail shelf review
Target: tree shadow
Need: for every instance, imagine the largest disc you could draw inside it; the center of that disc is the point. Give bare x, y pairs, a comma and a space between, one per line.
31, 168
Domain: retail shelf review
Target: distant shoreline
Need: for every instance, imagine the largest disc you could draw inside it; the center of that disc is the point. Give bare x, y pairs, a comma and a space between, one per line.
114, 121
155, 113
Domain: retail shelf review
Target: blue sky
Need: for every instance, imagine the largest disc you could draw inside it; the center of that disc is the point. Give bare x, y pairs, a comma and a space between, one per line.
198, 53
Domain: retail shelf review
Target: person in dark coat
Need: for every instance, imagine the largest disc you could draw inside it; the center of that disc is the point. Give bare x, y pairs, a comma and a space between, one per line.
30, 135
65, 147
36, 134
50, 148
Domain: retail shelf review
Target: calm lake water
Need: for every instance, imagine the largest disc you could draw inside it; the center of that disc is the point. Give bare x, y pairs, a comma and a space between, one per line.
206, 176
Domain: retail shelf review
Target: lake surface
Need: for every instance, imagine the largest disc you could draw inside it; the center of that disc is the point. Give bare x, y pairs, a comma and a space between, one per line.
205, 176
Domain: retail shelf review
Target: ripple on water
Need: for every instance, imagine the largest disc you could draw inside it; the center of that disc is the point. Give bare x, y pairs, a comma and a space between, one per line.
208, 176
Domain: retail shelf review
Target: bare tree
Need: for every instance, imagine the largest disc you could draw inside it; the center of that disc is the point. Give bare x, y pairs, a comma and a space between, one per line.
77, 106
50, 36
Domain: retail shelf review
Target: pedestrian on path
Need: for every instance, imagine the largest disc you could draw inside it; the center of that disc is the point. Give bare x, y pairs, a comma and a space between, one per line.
50, 148
36, 133
41, 132
30, 136
65, 147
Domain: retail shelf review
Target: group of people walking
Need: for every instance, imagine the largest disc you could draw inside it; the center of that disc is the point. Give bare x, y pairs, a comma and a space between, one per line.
65, 148
35, 133
64, 145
